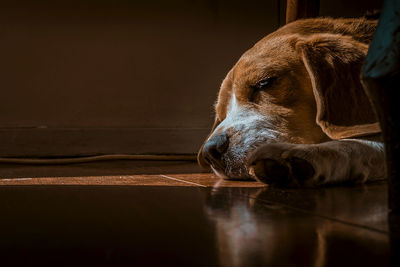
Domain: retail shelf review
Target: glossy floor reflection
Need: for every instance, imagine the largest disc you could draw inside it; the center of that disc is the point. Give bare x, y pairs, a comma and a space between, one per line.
171, 219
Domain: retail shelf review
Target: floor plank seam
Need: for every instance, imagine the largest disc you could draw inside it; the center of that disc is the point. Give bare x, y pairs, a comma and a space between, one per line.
180, 180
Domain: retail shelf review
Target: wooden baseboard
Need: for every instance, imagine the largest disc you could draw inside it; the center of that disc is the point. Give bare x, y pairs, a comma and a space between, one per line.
68, 142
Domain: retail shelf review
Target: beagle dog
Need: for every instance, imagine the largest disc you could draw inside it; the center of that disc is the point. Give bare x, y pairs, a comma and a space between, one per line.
293, 112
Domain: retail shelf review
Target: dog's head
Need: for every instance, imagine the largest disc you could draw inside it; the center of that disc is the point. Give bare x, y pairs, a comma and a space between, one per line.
290, 87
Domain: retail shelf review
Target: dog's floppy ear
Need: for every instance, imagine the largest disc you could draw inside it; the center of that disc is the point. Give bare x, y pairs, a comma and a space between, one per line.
334, 64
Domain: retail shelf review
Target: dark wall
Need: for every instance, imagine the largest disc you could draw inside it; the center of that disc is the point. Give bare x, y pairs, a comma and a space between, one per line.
348, 8
121, 63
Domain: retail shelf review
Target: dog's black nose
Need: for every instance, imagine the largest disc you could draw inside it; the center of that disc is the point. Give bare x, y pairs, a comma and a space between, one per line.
214, 148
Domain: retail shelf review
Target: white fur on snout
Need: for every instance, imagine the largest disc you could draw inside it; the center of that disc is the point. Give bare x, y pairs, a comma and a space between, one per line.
246, 129
244, 119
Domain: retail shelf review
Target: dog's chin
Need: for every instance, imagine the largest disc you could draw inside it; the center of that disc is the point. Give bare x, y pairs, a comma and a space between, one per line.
233, 165
241, 174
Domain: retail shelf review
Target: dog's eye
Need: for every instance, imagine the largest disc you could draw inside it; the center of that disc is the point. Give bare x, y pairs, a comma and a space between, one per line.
264, 83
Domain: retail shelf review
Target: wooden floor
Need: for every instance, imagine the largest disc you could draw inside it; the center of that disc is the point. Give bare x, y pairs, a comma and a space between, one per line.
131, 213
189, 179
135, 173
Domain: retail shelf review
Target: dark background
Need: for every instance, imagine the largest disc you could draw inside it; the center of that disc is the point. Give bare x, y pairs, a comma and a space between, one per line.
118, 76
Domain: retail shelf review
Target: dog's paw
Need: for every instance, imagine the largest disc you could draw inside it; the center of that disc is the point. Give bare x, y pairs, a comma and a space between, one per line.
284, 165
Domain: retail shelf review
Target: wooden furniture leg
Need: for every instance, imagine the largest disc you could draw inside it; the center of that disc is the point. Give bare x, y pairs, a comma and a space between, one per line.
300, 9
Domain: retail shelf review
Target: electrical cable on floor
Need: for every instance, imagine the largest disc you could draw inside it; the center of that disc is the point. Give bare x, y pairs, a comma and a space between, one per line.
75, 160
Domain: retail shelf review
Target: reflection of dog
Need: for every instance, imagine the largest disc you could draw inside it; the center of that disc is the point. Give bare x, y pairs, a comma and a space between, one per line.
258, 227
292, 111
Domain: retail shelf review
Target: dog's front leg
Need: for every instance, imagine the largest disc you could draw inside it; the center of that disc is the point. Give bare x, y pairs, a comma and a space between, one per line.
347, 160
